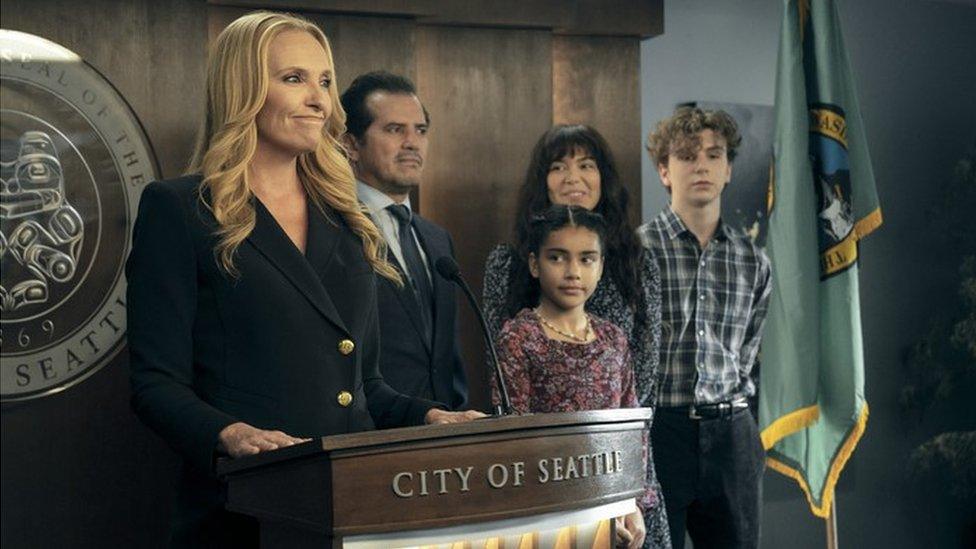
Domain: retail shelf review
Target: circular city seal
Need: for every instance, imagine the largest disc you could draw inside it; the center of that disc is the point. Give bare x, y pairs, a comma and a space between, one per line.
73, 162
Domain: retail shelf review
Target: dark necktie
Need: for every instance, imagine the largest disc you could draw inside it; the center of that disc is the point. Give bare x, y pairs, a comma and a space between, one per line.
414, 266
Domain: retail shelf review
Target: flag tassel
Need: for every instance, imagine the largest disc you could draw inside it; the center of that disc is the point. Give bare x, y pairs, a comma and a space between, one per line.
789, 424
840, 459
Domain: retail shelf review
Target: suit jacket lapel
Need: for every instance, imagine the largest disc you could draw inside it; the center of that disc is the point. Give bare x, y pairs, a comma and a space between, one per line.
271, 241
430, 244
408, 299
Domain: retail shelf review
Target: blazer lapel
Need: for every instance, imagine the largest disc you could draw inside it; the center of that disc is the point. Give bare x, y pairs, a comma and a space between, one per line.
271, 241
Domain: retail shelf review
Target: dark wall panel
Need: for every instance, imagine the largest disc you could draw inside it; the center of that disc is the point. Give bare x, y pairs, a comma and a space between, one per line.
359, 44
174, 79
634, 18
363, 44
490, 97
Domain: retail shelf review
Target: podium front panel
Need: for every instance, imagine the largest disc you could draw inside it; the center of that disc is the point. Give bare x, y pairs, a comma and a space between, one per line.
476, 479
440, 476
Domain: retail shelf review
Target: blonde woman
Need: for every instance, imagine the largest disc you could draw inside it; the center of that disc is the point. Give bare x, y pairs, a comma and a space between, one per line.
252, 282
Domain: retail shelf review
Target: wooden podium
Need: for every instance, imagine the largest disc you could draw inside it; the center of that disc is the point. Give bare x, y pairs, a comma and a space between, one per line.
462, 479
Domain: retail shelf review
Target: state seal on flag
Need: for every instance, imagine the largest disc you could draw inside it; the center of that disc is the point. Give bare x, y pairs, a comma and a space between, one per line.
832, 178
73, 162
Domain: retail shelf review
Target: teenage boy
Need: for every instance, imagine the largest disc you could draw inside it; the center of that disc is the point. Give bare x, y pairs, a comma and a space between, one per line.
715, 286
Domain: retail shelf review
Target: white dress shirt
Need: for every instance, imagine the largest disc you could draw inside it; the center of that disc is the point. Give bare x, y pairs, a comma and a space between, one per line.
376, 202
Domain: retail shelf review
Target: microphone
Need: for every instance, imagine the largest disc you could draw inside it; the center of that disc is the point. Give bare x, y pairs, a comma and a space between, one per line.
448, 268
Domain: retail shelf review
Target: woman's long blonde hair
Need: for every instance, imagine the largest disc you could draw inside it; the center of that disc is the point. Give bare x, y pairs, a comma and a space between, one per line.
237, 85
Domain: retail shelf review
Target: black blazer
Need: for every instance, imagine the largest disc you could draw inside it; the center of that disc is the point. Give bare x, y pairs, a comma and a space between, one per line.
207, 350
408, 363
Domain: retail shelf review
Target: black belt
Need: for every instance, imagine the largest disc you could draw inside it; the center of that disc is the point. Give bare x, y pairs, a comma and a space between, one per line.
713, 411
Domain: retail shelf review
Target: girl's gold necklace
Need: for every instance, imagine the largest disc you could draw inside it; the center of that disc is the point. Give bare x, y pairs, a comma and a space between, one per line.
574, 337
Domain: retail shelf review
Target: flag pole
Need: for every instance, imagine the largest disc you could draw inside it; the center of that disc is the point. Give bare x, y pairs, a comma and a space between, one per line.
832, 525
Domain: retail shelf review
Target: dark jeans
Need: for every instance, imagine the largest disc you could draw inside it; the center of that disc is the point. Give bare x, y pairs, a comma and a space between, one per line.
710, 472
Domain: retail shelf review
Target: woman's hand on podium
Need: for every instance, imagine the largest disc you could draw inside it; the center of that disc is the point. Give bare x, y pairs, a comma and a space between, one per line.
436, 416
240, 439
632, 534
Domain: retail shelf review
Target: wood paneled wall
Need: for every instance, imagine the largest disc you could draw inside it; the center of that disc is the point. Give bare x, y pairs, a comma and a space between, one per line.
489, 92
78, 469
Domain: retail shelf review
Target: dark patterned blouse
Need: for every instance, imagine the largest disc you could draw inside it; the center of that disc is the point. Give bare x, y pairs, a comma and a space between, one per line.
549, 375
644, 343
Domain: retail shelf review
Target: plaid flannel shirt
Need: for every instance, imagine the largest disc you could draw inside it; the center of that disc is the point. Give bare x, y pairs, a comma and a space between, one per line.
713, 305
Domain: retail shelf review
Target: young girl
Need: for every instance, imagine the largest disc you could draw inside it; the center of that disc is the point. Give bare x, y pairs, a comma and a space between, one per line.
555, 356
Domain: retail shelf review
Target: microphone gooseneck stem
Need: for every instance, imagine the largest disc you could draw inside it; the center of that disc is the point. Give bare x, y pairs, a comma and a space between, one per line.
506, 404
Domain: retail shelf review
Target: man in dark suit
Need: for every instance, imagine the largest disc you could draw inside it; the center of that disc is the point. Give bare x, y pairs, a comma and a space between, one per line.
387, 143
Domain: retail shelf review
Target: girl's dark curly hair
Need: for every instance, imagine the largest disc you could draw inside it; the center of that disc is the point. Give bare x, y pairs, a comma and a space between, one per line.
623, 251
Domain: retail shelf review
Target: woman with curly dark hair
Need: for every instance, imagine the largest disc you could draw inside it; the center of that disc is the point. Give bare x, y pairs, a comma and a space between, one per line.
572, 165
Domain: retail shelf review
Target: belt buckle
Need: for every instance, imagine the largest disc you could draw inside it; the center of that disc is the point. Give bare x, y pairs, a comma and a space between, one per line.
725, 409
693, 413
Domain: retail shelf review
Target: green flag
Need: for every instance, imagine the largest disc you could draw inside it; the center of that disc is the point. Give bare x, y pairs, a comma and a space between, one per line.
812, 409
